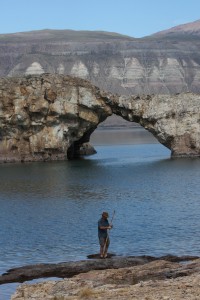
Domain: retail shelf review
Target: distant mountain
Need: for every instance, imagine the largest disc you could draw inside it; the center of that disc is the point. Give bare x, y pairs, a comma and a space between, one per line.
50, 35
190, 29
166, 62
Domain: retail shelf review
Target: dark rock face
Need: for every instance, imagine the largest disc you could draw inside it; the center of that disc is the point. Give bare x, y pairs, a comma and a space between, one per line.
70, 269
165, 63
51, 117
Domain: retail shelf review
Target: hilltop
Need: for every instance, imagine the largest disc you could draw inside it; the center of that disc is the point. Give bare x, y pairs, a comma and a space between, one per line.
167, 62
191, 29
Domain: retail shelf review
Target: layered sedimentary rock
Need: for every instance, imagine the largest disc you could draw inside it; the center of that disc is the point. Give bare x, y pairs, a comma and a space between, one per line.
50, 117
70, 269
156, 280
166, 62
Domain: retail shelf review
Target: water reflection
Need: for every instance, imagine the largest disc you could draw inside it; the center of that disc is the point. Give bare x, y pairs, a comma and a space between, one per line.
46, 207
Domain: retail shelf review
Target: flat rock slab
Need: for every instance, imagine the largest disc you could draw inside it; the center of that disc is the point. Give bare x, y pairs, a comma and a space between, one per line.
97, 256
70, 269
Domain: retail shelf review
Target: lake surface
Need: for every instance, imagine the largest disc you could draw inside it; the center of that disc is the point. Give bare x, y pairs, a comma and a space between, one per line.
49, 211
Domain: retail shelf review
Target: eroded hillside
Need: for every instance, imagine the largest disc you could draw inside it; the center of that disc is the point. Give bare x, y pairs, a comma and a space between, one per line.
165, 63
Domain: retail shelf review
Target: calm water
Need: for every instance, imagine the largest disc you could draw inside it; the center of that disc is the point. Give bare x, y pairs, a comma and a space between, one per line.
49, 211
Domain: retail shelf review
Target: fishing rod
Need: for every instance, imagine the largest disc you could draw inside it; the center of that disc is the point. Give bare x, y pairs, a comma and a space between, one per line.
112, 217
110, 224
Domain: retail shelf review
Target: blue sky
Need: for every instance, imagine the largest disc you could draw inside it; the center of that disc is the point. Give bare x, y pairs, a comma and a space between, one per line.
136, 18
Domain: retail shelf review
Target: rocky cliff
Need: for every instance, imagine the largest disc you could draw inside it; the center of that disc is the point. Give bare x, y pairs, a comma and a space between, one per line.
166, 63
50, 117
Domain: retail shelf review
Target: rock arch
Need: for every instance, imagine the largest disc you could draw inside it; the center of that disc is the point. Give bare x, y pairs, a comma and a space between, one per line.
49, 117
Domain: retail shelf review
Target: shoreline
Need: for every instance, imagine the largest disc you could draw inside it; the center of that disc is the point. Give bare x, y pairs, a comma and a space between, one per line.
148, 278
123, 136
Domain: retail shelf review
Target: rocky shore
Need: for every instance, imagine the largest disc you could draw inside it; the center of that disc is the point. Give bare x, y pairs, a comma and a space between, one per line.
165, 278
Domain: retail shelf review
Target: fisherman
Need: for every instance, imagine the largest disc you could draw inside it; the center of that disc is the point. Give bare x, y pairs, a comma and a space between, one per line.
104, 241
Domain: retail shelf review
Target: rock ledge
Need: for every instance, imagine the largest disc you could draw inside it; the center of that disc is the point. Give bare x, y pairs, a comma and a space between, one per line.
150, 279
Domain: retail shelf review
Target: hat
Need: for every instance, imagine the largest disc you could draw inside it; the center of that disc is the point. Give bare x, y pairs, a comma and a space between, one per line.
105, 214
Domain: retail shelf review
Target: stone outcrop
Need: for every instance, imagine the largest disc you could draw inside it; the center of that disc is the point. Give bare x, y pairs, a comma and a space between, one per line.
156, 280
47, 117
50, 117
70, 269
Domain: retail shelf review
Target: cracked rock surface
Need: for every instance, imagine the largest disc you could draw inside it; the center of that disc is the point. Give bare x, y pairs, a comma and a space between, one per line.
155, 280
51, 117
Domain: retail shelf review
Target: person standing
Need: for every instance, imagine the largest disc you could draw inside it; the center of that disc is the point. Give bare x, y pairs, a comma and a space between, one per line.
104, 241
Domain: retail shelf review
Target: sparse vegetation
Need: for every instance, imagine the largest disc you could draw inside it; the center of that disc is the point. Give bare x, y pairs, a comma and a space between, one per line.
86, 293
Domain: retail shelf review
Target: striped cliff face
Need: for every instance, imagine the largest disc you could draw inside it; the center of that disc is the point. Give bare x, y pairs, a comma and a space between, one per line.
164, 63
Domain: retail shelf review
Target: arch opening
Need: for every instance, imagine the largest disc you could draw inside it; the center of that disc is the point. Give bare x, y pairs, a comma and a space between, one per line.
116, 130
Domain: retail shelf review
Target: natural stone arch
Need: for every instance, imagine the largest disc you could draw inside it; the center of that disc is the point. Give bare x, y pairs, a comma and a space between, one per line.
174, 120
44, 117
